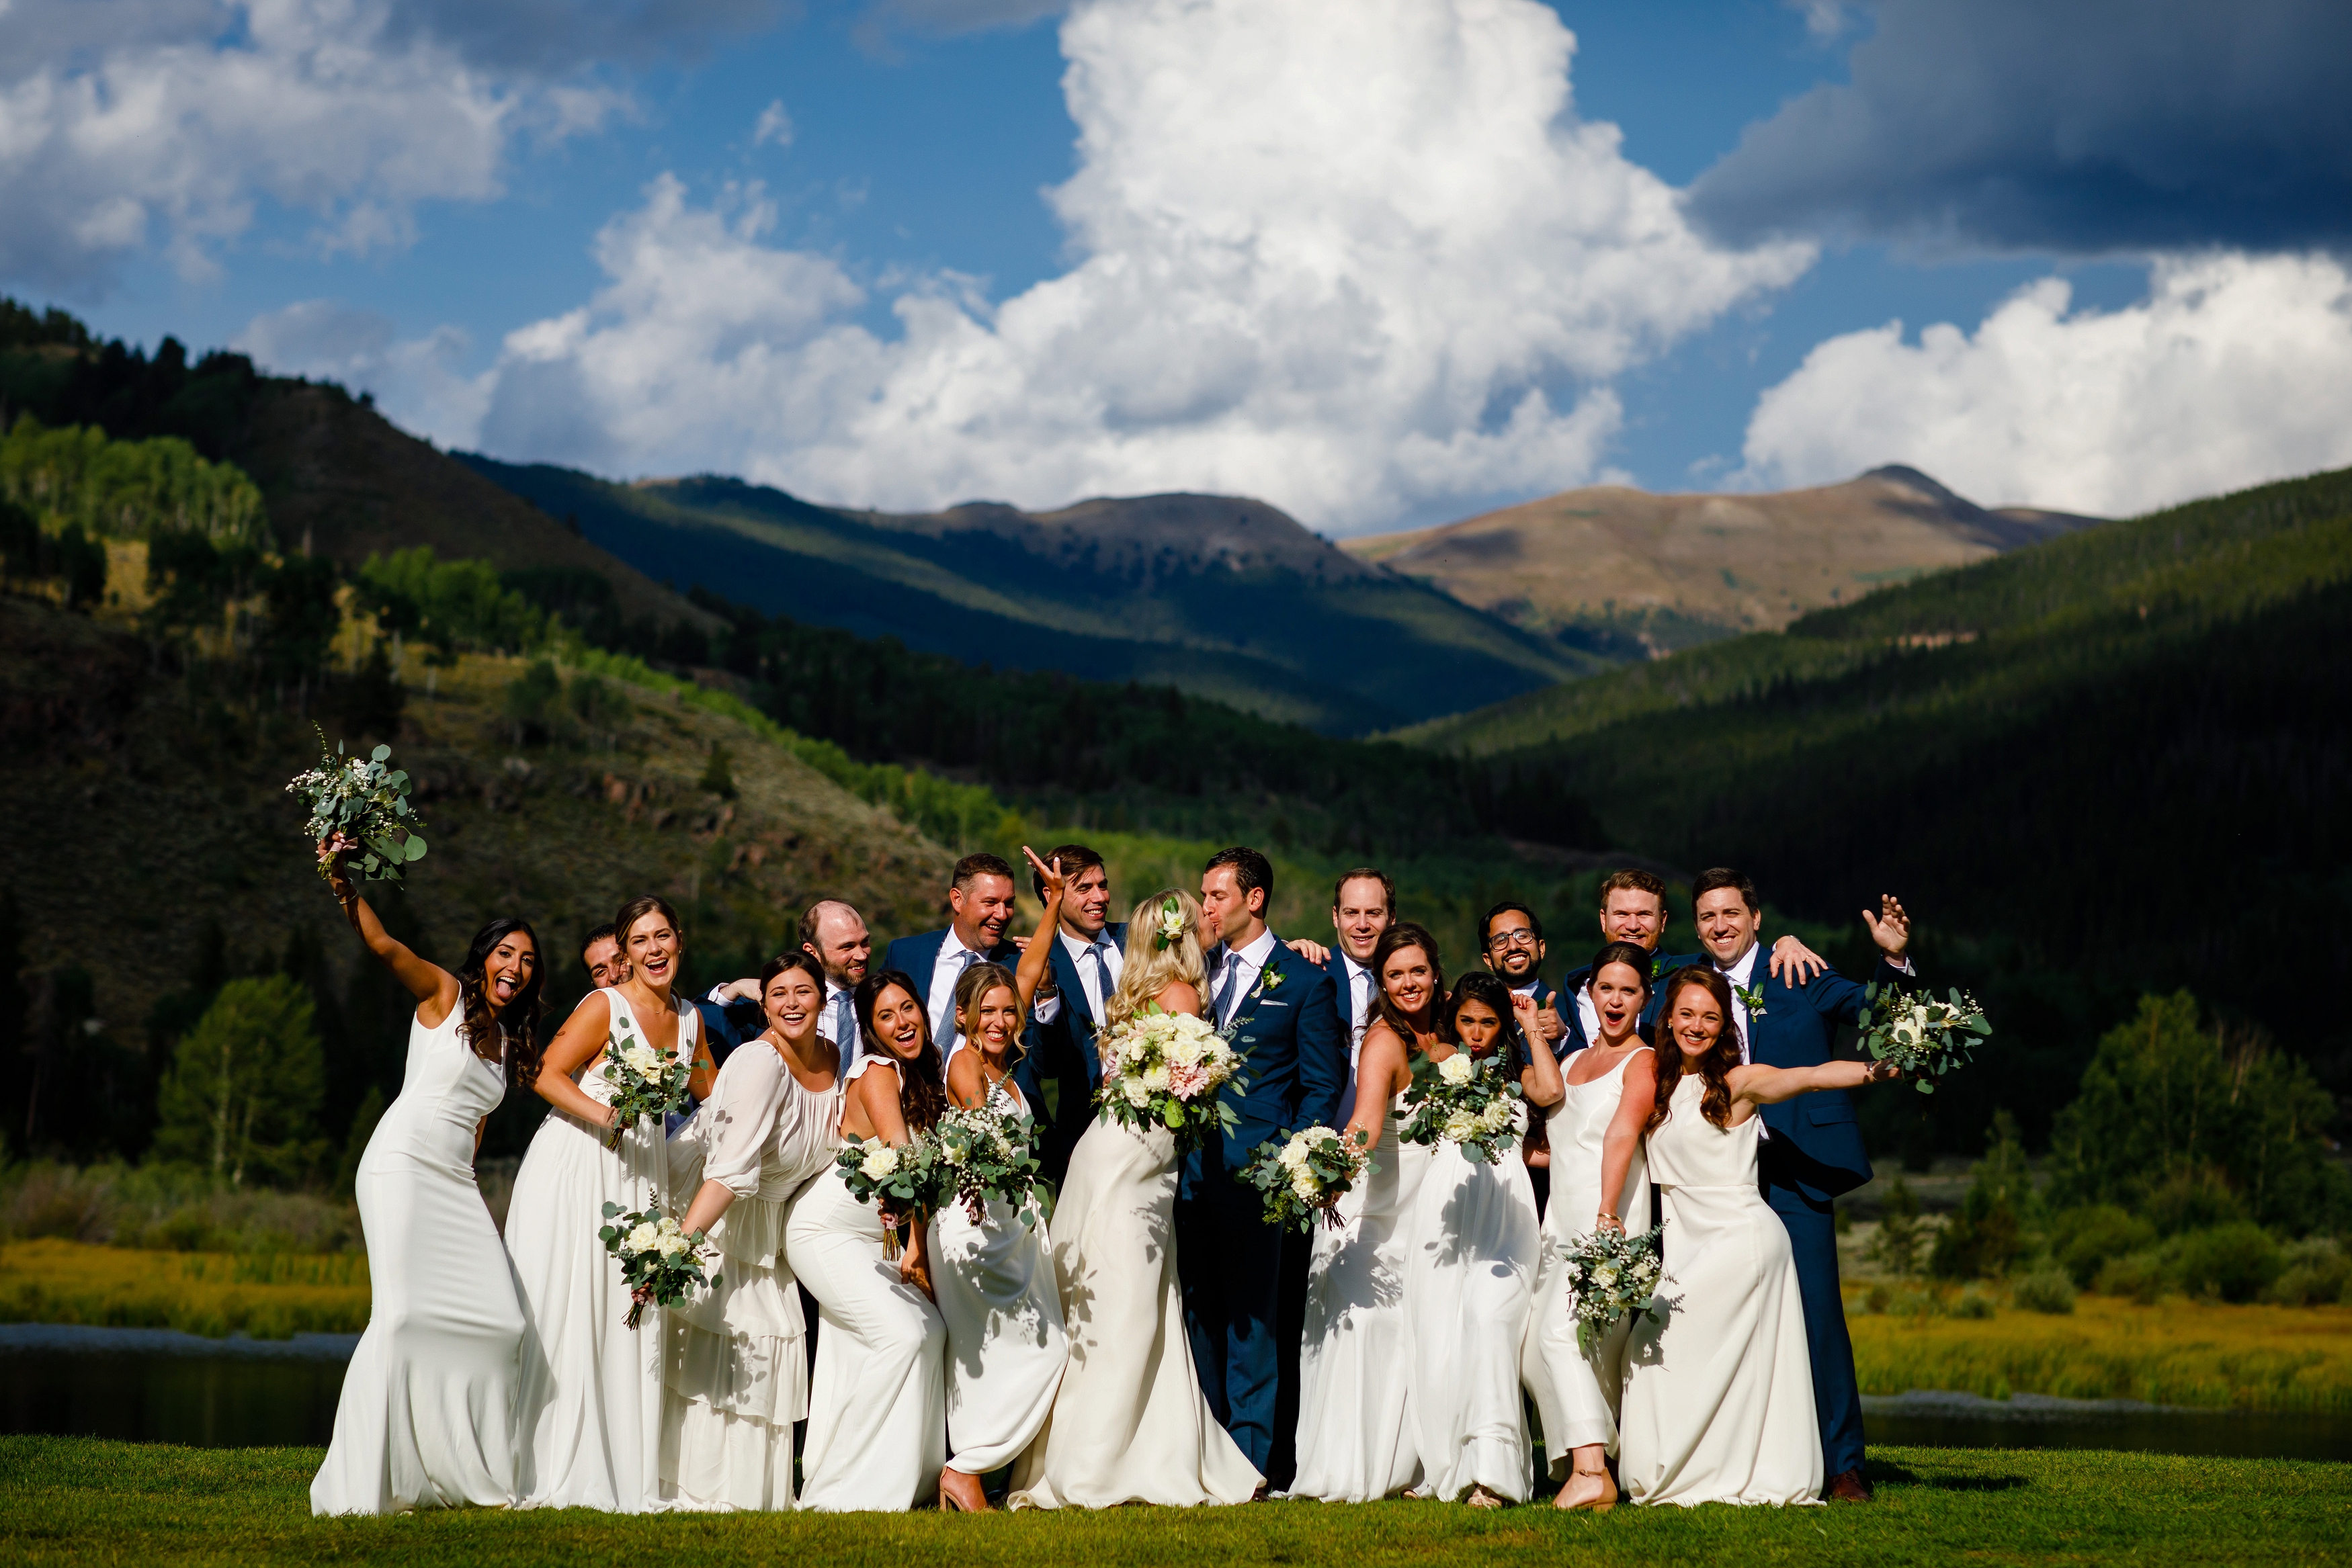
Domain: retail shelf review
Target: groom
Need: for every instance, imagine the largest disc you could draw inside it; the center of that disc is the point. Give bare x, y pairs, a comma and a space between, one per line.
1285, 1017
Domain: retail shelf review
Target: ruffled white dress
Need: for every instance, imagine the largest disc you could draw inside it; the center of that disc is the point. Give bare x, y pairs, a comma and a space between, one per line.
591, 1405
1129, 1422
1470, 1272
737, 1362
426, 1417
1357, 1437
1719, 1399
1576, 1395
878, 1410
1006, 1344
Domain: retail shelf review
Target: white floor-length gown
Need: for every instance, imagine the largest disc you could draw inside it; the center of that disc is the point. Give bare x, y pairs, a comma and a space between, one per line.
590, 1412
1006, 1344
878, 1409
1129, 1423
736, 1369
1719, 1400
1470, 1271
1356, 1436
426, 1415
1576, 1395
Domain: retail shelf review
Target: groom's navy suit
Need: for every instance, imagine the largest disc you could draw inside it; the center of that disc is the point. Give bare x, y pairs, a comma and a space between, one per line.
1063, 1053
1295, 1068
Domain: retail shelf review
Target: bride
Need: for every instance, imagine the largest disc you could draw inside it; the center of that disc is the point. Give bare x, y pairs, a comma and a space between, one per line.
1129, 1423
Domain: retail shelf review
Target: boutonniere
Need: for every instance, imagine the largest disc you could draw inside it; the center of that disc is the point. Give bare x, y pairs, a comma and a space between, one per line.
1752, 997
1269, 979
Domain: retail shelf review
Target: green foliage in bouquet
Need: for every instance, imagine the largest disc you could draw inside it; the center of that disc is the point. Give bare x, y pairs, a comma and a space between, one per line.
366, 802
660, 1260
646, 1082
900, 1180
1925, 1038
986, 1153
1168, 1069
1470, 1102
1612, 1274
1307, 1174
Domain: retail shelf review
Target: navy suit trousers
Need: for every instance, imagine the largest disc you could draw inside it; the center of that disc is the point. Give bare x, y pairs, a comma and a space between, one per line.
1231, 1270
1837, 1394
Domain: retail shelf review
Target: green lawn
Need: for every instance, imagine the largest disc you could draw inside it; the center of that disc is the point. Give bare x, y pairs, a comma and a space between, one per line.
76, 1500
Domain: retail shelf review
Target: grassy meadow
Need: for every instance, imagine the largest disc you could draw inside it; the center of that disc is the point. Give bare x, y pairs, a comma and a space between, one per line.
269, 1295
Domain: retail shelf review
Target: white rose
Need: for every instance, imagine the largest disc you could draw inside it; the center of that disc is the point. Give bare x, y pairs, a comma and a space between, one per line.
1495, 1117
643, 1237
953, 1153
1155, 1077
1304, 1186
1457, 1069
1459, 1127
641, 1061
672, 1244
1137, 1094
1293, 1159
882, 1164
1603, 1276
1185, 1053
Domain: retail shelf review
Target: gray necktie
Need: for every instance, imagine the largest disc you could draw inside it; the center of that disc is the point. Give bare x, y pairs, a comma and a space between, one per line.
1102, 976
1224, 997
845, 1027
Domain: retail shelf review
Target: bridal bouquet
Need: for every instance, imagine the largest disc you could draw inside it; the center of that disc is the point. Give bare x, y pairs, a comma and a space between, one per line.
1307, 1175
1612, 1274
644, 1082
366, 802
659, 1260
1470, 1102
984, 1153
1164, 1069
1925, 1038
902, 1181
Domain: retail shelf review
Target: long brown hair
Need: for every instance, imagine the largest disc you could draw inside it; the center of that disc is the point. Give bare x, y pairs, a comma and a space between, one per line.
1407, 934
1714, 1067
510, 1036
922, 1082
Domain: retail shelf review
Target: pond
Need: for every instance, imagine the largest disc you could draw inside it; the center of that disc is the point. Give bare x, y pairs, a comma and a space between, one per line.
157, 1387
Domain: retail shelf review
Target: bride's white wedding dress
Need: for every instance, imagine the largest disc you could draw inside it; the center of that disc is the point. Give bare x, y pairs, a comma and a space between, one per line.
1357, 1437
590, 1411
1576, 1395
1129, 1423
426, 1417
1719, 1401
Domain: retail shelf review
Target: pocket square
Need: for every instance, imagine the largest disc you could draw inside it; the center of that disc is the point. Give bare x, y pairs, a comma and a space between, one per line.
1270, 1002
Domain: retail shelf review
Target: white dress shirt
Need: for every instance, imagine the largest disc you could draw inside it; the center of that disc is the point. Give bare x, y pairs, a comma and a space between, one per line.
1359, 1018
1100, 964
1739, 974
1243, 966
946, 970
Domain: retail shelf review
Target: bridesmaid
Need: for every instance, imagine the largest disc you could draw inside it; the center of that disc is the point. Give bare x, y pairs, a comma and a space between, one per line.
878, 1414
426, 1417
1356, 1430
1719, 1399
1470, 1284
994, 1280
1597, 1177
737, 1366
590, 1412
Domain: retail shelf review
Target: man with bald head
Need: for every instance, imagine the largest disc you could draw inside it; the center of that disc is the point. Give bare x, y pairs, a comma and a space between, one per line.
834, 934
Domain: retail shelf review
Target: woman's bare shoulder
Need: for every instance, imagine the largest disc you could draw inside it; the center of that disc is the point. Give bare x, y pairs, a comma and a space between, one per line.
1180, 996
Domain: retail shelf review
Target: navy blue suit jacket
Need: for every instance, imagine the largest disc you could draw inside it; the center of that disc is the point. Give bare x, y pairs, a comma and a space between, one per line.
1063, 1053
729, 1026
1572, 986
1293, 1046
917, 955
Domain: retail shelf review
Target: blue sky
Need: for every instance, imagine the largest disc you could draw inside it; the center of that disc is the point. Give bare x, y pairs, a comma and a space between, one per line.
593, 179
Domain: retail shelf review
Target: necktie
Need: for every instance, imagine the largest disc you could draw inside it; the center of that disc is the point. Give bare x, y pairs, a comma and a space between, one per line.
845, 1028
1225, 998
1101, 998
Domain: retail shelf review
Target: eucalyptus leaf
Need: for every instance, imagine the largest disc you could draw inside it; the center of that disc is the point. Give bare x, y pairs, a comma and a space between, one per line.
414, 849
380, 753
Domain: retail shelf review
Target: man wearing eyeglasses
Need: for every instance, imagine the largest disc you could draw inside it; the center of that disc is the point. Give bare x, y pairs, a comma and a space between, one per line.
1511, 940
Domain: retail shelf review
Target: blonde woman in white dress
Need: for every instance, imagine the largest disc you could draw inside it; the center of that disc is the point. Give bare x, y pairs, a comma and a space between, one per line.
1598, 1180
1358, 1440
878, 1409
426, 1414
591, 1407
1470, 1274
737, 1368
994, 1279
1718, 1403
1129, 1423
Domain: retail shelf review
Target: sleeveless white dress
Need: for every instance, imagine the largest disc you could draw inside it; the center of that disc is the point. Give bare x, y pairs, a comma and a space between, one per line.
1719, 1401
1576, 1395
1006, 1344
426, 1417
1357, 1437
590, 1411
736, 1366
1129, 1423
1470, 1270
878, 1410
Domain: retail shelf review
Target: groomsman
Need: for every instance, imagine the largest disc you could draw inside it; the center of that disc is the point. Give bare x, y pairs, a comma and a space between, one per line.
1284, 1015
1511, 940
1633, 909
1087, 959
834, 935
602, 955
1811, 1150
980, 906
1363, 905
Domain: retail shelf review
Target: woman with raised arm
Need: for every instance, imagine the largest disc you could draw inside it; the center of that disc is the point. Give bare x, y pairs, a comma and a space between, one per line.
592, 1388
737, 1368
1719, 1399
1472, 1241
426, 1415
1597, 1182
1357, 1441
993, 1278
878, 1412
1129, 1423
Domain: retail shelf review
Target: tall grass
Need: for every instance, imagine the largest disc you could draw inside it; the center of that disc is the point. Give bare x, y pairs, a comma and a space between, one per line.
264, 1295
170, 1209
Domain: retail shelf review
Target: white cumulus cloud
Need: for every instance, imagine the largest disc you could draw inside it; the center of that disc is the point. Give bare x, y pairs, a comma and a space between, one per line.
2234, 371
1351, 261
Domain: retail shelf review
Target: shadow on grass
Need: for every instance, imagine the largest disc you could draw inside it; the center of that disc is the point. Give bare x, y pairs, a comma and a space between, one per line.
1886, 1475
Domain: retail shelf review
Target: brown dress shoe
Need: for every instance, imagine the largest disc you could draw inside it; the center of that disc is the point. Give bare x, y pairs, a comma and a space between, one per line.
1847, 1486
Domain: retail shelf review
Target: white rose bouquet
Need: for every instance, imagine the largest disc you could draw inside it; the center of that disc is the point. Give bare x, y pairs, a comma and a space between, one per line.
660, 1263
1306, 1174
902, 1181
1925, 1038
1470, 1102
1166, 1070
1612, 1274
367, 804
984, 1153
646, 1082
